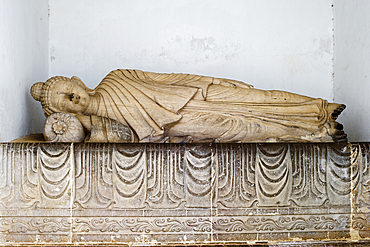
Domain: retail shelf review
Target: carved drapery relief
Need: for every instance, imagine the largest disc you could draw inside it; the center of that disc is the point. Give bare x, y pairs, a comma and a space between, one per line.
91, 191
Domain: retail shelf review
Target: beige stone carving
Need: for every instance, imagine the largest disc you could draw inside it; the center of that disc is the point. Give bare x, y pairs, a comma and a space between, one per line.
63, 127
285, 194
153, 107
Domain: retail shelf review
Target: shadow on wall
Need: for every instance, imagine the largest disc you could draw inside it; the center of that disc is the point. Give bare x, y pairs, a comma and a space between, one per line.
34, 115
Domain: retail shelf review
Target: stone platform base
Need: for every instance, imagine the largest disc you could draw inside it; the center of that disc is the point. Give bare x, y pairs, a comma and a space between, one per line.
176, 194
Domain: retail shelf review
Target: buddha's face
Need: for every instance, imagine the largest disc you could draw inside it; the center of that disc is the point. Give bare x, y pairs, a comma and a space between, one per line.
68, 96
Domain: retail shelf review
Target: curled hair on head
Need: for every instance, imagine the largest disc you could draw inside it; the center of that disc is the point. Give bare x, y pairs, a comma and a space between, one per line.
42, 92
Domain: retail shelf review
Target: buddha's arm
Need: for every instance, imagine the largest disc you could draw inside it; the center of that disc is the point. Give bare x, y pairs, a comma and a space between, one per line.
106, 130
231, 83
193, 80
85, 121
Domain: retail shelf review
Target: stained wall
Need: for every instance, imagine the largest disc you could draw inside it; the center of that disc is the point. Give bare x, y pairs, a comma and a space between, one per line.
285, 44
352, 65
23, 60
290, 45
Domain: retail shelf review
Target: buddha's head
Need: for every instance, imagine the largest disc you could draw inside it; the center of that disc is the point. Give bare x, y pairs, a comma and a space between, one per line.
62, 94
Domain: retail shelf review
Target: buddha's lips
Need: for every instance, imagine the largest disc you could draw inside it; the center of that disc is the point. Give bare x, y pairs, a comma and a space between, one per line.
81, 101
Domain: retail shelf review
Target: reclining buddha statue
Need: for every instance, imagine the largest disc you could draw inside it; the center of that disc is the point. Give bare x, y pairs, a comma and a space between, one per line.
138, 106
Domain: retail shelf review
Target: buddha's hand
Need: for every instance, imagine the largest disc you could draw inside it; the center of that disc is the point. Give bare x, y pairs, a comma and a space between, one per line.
231, 83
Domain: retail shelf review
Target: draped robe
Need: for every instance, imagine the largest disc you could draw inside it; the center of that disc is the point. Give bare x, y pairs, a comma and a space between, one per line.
205, 108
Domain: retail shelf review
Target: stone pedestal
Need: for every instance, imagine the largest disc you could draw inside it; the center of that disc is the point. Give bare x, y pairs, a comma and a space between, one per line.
175, 194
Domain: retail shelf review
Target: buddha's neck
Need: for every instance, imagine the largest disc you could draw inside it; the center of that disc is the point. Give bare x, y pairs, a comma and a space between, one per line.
93, 107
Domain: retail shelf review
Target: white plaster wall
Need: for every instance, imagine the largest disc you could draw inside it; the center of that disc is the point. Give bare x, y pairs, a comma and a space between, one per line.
285, 44
23, 60
352, 65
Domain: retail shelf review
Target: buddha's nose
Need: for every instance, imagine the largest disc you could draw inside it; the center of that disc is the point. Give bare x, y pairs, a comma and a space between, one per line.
77, 99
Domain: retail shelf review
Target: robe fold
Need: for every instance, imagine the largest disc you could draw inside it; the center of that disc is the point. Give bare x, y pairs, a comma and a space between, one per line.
154, 104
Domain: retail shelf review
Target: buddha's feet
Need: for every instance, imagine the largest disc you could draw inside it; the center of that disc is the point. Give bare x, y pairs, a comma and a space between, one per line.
335, 130
335, 110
